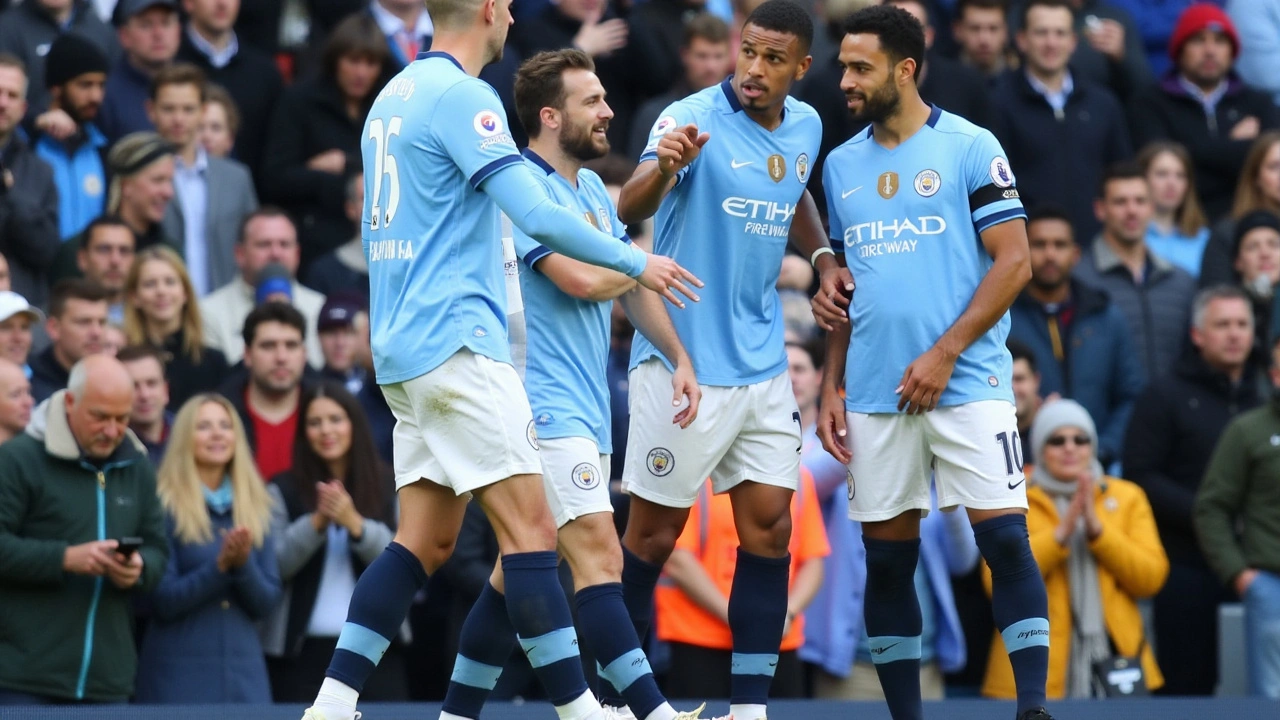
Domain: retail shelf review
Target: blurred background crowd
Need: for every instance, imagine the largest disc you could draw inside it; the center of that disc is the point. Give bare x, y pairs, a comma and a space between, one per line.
194, 467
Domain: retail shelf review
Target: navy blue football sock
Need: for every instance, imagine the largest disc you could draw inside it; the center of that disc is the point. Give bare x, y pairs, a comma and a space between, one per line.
1018, 603
639, 579
892, 612
607, 632
378, 608
483, 648
540, 615
757, 612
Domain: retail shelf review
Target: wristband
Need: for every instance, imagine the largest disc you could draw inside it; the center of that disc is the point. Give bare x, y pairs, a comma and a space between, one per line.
813, 259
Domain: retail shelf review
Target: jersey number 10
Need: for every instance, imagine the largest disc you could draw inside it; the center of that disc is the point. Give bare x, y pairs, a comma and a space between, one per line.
384, 163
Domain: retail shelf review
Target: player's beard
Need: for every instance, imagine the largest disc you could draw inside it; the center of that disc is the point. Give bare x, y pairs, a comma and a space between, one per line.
880, 105
578, 142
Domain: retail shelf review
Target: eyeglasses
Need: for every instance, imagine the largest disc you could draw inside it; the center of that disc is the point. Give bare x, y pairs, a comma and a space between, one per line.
1060, 440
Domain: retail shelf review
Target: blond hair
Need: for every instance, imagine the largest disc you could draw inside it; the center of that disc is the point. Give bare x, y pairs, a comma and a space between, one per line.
178, 481
135, 322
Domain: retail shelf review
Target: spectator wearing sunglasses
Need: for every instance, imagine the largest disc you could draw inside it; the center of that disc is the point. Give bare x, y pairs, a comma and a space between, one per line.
1095, 541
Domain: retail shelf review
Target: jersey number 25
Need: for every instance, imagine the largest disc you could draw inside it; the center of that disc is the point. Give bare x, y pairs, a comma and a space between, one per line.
384, 163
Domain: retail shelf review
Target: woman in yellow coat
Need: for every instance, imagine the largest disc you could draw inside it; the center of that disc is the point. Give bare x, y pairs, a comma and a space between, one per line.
1095, 541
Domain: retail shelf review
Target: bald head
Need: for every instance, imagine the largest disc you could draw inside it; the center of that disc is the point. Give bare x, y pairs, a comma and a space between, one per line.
15, 400
98, 402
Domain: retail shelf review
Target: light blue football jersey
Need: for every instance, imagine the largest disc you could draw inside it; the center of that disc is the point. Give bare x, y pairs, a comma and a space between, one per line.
433, 135
567, 339
727, 221
908, 222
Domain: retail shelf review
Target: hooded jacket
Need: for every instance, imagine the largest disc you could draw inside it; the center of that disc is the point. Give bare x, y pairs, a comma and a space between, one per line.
63, 635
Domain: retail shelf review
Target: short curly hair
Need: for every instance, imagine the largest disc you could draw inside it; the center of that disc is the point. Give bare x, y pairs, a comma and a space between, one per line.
901, 35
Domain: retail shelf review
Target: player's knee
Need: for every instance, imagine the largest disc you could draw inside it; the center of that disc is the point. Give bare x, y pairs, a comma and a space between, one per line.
432, 552
770, 535
536, 534
891, 567
1005, 546
654, 543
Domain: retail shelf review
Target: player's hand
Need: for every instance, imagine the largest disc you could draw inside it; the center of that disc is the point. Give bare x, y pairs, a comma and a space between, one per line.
663, 275
684, 383
923, 382
678, 148
831, 429
830, 305
124, 574
57, 124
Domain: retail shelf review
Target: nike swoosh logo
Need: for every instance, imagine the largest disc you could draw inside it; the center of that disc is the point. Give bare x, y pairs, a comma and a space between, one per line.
735, 164
847, 193
885, 649
1014, 486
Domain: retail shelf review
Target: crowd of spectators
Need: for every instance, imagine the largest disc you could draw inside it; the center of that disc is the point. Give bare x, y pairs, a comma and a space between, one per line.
194, 455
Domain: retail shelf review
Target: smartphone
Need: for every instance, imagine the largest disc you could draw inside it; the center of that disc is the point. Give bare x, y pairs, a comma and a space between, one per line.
128, 546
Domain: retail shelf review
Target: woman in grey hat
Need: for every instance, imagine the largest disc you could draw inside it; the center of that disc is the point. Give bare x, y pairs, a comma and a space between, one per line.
1095, 540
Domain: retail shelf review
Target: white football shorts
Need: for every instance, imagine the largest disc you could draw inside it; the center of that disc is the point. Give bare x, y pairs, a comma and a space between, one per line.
464, 425
972, 449
576, 477
741, 433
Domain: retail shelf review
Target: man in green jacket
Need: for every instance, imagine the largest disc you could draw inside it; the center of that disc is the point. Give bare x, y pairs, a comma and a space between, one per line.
1241, 489
71, 487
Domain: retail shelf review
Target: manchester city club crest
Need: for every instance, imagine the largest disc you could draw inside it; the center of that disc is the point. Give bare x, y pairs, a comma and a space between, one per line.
777, 167
532, 434
586, 476
852, 487
887, 184
927, 183
661, 461
802, 168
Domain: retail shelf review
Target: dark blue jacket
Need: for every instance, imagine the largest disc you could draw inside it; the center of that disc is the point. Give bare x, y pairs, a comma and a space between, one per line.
1059, 158
1100, 368
124, 103
202, 644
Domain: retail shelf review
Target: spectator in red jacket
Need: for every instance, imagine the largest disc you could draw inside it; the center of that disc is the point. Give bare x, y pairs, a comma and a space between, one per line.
1203, 104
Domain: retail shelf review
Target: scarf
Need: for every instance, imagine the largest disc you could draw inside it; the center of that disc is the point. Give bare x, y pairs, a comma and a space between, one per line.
220, 500
1090, 641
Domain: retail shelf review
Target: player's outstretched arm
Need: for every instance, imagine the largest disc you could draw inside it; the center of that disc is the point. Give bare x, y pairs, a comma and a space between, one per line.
836, 282
653, 179
831, 428
647, 312
927, 376
583, 280
518, 194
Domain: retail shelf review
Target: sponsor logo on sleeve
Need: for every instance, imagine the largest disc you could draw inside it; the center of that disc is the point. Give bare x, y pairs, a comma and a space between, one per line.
487, 123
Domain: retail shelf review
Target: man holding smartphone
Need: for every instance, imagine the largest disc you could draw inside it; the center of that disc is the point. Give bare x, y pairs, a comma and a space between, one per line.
81, 530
